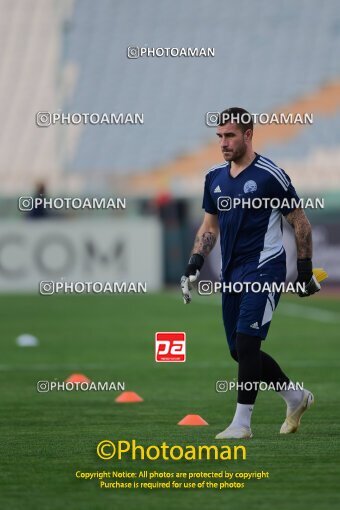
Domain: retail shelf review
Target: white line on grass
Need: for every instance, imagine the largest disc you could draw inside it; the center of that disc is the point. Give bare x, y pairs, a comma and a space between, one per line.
42, 367
223, 365
309, 312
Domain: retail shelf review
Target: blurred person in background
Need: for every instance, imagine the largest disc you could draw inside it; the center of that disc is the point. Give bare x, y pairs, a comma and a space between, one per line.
39, 211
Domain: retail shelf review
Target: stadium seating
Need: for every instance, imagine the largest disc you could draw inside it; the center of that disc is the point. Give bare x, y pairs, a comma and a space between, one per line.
71, 55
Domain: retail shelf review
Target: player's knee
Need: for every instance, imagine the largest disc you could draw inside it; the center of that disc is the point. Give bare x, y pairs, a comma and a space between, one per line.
233, 354
247, 346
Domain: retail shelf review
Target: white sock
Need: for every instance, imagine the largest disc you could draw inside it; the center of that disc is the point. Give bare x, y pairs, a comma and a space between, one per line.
292, 397
242, 415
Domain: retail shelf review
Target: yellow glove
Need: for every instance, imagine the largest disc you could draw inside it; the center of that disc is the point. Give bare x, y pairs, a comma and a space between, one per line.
320, 274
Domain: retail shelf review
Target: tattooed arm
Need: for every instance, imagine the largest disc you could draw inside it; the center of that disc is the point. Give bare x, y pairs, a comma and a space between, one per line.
206, 236
303, 233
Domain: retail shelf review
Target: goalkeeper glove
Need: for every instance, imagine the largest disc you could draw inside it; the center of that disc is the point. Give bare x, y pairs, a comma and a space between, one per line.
320, 274
191, 274
306, 276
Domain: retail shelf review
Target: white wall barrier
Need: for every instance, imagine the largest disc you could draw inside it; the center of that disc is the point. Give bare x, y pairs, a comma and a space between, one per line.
79, 250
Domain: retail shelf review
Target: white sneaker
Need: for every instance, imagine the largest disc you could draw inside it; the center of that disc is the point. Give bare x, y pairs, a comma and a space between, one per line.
234, 432
292, 421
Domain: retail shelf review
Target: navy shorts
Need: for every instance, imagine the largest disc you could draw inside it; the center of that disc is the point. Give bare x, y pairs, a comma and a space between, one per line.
250, 312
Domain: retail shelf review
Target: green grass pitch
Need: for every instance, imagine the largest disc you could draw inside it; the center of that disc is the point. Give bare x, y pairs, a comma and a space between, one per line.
46, 437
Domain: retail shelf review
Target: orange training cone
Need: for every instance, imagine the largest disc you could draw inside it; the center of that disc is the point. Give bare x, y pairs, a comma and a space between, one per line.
77, 378
128, 397
192, 419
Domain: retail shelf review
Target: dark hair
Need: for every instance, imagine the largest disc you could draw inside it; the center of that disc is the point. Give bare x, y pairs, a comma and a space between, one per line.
237, 115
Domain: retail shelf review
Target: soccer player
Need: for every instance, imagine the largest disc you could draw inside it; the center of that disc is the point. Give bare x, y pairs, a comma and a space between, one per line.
252, 251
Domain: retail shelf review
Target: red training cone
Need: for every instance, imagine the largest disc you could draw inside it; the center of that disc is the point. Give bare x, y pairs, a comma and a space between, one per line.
128, 397
192, 420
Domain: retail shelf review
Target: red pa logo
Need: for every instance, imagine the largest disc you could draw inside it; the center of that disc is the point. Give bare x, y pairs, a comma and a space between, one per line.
170, 347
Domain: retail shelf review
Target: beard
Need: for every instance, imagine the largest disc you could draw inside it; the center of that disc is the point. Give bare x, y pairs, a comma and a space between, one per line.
236, 154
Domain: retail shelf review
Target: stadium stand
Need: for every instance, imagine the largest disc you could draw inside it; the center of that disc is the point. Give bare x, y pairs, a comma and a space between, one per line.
71, 56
